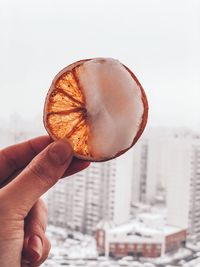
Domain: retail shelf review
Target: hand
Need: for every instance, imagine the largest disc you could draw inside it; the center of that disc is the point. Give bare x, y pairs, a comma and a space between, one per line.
27, 171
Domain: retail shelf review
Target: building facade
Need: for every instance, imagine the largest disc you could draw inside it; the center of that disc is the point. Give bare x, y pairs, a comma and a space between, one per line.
194, 208
150, 155
183, 184
166, 170
102, 191
146, 236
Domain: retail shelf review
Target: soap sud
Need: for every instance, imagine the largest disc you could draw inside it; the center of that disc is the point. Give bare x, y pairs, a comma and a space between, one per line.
107, 85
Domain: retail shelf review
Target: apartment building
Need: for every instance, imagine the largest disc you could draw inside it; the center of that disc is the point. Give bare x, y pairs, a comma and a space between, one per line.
103, 191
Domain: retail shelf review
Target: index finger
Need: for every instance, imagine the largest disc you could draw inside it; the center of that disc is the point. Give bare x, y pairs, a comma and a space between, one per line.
76, 165
16, 157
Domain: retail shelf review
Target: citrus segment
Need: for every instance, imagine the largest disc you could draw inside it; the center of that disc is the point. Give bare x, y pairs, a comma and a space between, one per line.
67, 82
79, 139
59, 101
62, 124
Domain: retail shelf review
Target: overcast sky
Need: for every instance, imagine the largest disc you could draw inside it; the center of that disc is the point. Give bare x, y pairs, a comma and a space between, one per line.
159, 40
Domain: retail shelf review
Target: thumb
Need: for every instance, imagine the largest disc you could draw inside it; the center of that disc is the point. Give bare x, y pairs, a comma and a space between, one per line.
40, 175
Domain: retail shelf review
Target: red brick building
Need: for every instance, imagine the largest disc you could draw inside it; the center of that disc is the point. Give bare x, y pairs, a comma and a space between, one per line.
142, 237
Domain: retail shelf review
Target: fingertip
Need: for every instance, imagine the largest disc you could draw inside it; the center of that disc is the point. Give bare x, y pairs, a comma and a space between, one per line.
61, 151
33, 250
39, 143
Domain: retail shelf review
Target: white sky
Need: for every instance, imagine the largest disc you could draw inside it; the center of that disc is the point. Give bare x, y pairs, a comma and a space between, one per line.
159, 40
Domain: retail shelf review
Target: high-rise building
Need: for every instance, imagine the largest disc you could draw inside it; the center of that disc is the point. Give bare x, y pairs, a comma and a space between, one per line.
149, 166
180, 172
17, 130
139, 175
179, 178
166, 168
194, 214
57, 199
103, 191
183, 187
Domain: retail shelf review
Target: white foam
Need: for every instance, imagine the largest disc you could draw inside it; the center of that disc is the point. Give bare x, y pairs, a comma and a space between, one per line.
107, 85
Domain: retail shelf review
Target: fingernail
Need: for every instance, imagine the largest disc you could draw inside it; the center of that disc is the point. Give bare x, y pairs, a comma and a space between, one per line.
25, 263
60, 151
35, 247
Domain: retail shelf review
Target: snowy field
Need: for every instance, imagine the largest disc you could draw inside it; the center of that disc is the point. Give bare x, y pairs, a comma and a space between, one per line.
81, 251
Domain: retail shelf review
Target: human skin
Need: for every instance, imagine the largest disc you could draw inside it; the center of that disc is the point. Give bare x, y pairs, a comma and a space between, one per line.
27, 171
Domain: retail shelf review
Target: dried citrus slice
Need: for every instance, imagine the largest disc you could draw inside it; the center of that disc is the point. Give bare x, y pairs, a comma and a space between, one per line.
99, 105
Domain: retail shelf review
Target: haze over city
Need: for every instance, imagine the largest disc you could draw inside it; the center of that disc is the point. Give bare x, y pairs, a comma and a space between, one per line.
158, 40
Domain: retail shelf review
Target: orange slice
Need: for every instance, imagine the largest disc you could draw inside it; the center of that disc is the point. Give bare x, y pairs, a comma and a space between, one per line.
99, 106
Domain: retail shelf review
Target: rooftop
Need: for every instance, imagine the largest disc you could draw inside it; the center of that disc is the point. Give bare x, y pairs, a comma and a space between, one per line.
146, 225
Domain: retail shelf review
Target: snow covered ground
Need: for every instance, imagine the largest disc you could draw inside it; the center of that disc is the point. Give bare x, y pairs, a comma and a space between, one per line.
81, 251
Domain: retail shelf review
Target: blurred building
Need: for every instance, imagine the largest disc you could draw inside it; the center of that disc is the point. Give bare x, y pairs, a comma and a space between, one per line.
103, 191
162, 169
149, 173
167, 172
79, 202
147, 235
183, 183
194, 213
179, 178
17, 130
